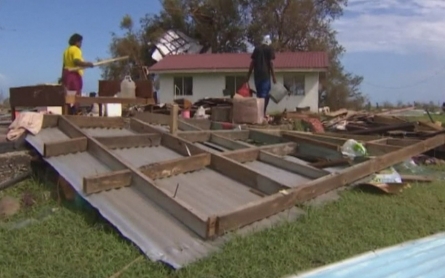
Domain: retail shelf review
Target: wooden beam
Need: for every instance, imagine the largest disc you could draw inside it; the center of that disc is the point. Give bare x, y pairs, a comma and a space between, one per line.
130, 141
402, 142
328, 139
153, 118
203, 124
245, 175
351, 136
227, 143
177, 166
264, 137
186, 126
316, 142
50, 120
251, 154
97, 122
204, 135
331, 163
195, 136
107, 181
174, 119
191, 218
175, 143
379, 149
280, 162
65, 147
273, 204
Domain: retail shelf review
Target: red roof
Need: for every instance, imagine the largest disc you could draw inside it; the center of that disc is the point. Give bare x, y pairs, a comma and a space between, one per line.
239, 61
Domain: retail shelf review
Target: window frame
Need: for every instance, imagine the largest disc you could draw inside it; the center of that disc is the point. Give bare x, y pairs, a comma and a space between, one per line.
182, 88
240, 78
294, 77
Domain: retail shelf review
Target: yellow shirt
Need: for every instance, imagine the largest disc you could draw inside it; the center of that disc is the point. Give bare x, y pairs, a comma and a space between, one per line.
71, 54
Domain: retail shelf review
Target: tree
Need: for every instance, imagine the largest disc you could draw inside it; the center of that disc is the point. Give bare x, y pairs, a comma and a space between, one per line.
226, 26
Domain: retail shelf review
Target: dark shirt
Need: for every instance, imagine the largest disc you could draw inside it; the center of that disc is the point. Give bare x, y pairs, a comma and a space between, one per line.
262, 57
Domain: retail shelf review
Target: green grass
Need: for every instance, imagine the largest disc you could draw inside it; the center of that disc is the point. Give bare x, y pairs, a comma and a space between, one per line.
74, 243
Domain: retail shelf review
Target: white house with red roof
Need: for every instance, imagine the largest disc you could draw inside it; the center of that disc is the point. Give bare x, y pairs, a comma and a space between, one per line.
197, 76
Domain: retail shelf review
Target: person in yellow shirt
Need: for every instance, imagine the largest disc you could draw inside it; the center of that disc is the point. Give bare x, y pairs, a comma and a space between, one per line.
72, 61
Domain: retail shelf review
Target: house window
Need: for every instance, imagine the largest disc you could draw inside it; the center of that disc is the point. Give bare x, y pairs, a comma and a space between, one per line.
183, 86
233, 83
295, 83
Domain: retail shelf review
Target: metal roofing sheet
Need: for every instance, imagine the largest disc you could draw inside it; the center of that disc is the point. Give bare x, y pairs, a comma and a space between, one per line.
208, 191
420, 258
108, 132
231, 61
285, 177
138, 218
146, 155
211, 147
47, 135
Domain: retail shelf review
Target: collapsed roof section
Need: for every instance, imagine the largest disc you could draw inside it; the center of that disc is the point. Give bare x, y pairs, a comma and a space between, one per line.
175, 42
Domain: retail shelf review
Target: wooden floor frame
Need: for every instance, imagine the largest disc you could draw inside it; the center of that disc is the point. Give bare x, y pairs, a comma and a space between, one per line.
276, 196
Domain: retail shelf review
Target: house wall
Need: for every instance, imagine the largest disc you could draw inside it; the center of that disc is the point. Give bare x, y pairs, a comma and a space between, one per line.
213, 84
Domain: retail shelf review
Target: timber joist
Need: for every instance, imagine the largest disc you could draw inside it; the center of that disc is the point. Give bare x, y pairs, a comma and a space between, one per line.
262, 163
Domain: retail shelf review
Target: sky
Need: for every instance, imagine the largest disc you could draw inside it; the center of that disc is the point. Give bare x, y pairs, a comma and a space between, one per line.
398, 46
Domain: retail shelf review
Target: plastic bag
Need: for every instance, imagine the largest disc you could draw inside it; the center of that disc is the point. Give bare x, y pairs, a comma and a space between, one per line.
244, 90
352, 148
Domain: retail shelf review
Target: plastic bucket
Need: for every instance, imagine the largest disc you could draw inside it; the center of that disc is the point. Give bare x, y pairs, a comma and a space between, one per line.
185, 114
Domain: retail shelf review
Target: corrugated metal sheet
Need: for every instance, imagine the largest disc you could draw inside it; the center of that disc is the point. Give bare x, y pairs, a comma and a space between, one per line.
147, 155
47, 135
232, 61
285, 177
107, 132
419, 258
208, 191
160, 236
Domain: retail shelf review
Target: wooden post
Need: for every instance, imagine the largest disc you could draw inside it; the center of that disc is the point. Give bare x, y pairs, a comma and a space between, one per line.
174, 119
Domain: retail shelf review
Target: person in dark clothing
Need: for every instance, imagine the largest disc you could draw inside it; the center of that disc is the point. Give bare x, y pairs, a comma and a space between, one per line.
262, 67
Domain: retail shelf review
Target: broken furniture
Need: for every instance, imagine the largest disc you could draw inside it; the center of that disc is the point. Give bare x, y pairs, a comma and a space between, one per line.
55, 95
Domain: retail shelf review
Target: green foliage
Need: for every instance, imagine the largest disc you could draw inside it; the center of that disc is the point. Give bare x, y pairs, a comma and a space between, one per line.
226, 26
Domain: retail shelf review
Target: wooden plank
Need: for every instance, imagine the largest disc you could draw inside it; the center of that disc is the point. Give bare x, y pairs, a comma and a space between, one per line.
97, 122
401, 142
65, 147
264, 137
251, 154
316, 142
178, 209
185, 126
328, 139
174, 119
245, 175
351, 136
204, 135
130, 141
379, 149
50, 121
273, 204
203, 124
175, 143
177, 166
107, 181
331, 163
280, 162
195, 136
227, 143
35, 96
153, 118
